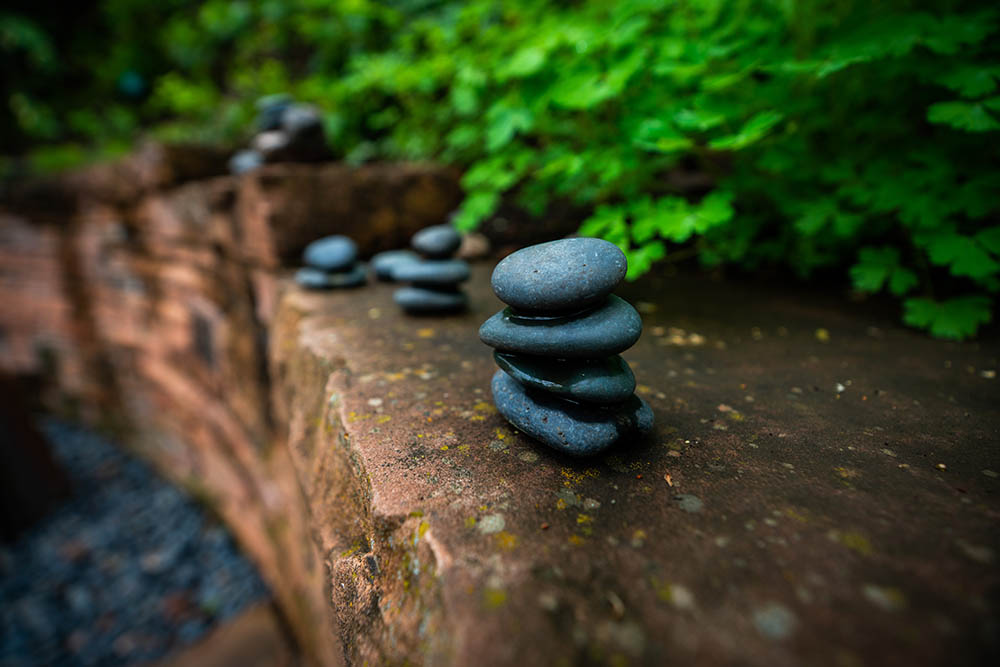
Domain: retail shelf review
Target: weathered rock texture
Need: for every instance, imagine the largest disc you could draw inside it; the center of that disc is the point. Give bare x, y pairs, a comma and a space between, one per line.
815, 492
137, 297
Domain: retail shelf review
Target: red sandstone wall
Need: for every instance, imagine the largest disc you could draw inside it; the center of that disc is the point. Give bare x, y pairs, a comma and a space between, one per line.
143, 297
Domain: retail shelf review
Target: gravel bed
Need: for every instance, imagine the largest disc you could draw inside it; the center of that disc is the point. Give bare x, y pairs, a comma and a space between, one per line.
128, 570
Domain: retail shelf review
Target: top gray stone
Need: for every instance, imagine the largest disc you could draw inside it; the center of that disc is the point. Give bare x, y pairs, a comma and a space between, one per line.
437, 242
270, 109
331, 253
560, 275
300, 119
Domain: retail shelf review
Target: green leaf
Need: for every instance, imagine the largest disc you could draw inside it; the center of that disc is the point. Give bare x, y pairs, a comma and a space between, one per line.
476, 208
698, 119
642, 258
990, 239
464, 99
524, 63
504, 123
877, 267
873, 268
607, 222
619, 74
815, 215
970, 80
493, 174
948, 34
956, 318
581, 90
655, 134
902, 281
961, 254
722, 81
972, 117
751, 132
716, 208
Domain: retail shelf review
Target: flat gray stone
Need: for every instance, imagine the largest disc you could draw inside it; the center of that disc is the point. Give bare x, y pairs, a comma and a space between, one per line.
316, 279
432, 272
607, 380
270, 109
385, 262
331, 253
560, 275
609, 329
572, 428
244, 161
421, 300
271, 144
300, 120
436, 242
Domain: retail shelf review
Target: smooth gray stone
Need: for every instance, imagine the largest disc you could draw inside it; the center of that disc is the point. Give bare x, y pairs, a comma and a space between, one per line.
560, 275
420, 300
272, 144
607, 380
572, 428
331, 253
432, 272
606, 330
313, 278
437, 242
244, 161
385, 262
270, 109
301, 120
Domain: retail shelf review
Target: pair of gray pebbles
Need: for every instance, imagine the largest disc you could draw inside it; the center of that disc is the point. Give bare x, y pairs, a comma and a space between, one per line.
433, 274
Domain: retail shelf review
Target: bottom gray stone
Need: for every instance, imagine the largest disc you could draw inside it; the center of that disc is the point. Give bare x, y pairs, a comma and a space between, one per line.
312, 278
572, 428
420, 300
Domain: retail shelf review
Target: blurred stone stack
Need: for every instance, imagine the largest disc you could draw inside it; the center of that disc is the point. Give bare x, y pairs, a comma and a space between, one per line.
286, 132
435, 279
562, 380
331, 262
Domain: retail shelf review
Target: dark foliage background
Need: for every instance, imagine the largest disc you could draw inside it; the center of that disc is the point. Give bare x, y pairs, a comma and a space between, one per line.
817, 135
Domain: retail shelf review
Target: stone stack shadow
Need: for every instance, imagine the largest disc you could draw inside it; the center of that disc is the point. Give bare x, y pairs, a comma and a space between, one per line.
562, 380
434, 279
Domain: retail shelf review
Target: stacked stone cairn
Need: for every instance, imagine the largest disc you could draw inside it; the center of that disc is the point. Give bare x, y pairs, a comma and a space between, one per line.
286, 132
436, 277
331, 262
562, 380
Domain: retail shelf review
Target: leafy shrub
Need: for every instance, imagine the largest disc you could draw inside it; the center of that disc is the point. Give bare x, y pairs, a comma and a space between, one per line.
814, 134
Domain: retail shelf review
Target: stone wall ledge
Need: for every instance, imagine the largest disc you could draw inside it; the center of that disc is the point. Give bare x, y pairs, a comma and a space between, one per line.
789, 508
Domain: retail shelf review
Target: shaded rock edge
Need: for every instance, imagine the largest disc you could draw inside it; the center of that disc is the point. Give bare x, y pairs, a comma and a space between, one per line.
383, 572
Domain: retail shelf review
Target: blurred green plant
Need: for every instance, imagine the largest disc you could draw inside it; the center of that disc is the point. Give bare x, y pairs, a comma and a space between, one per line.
814, 134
